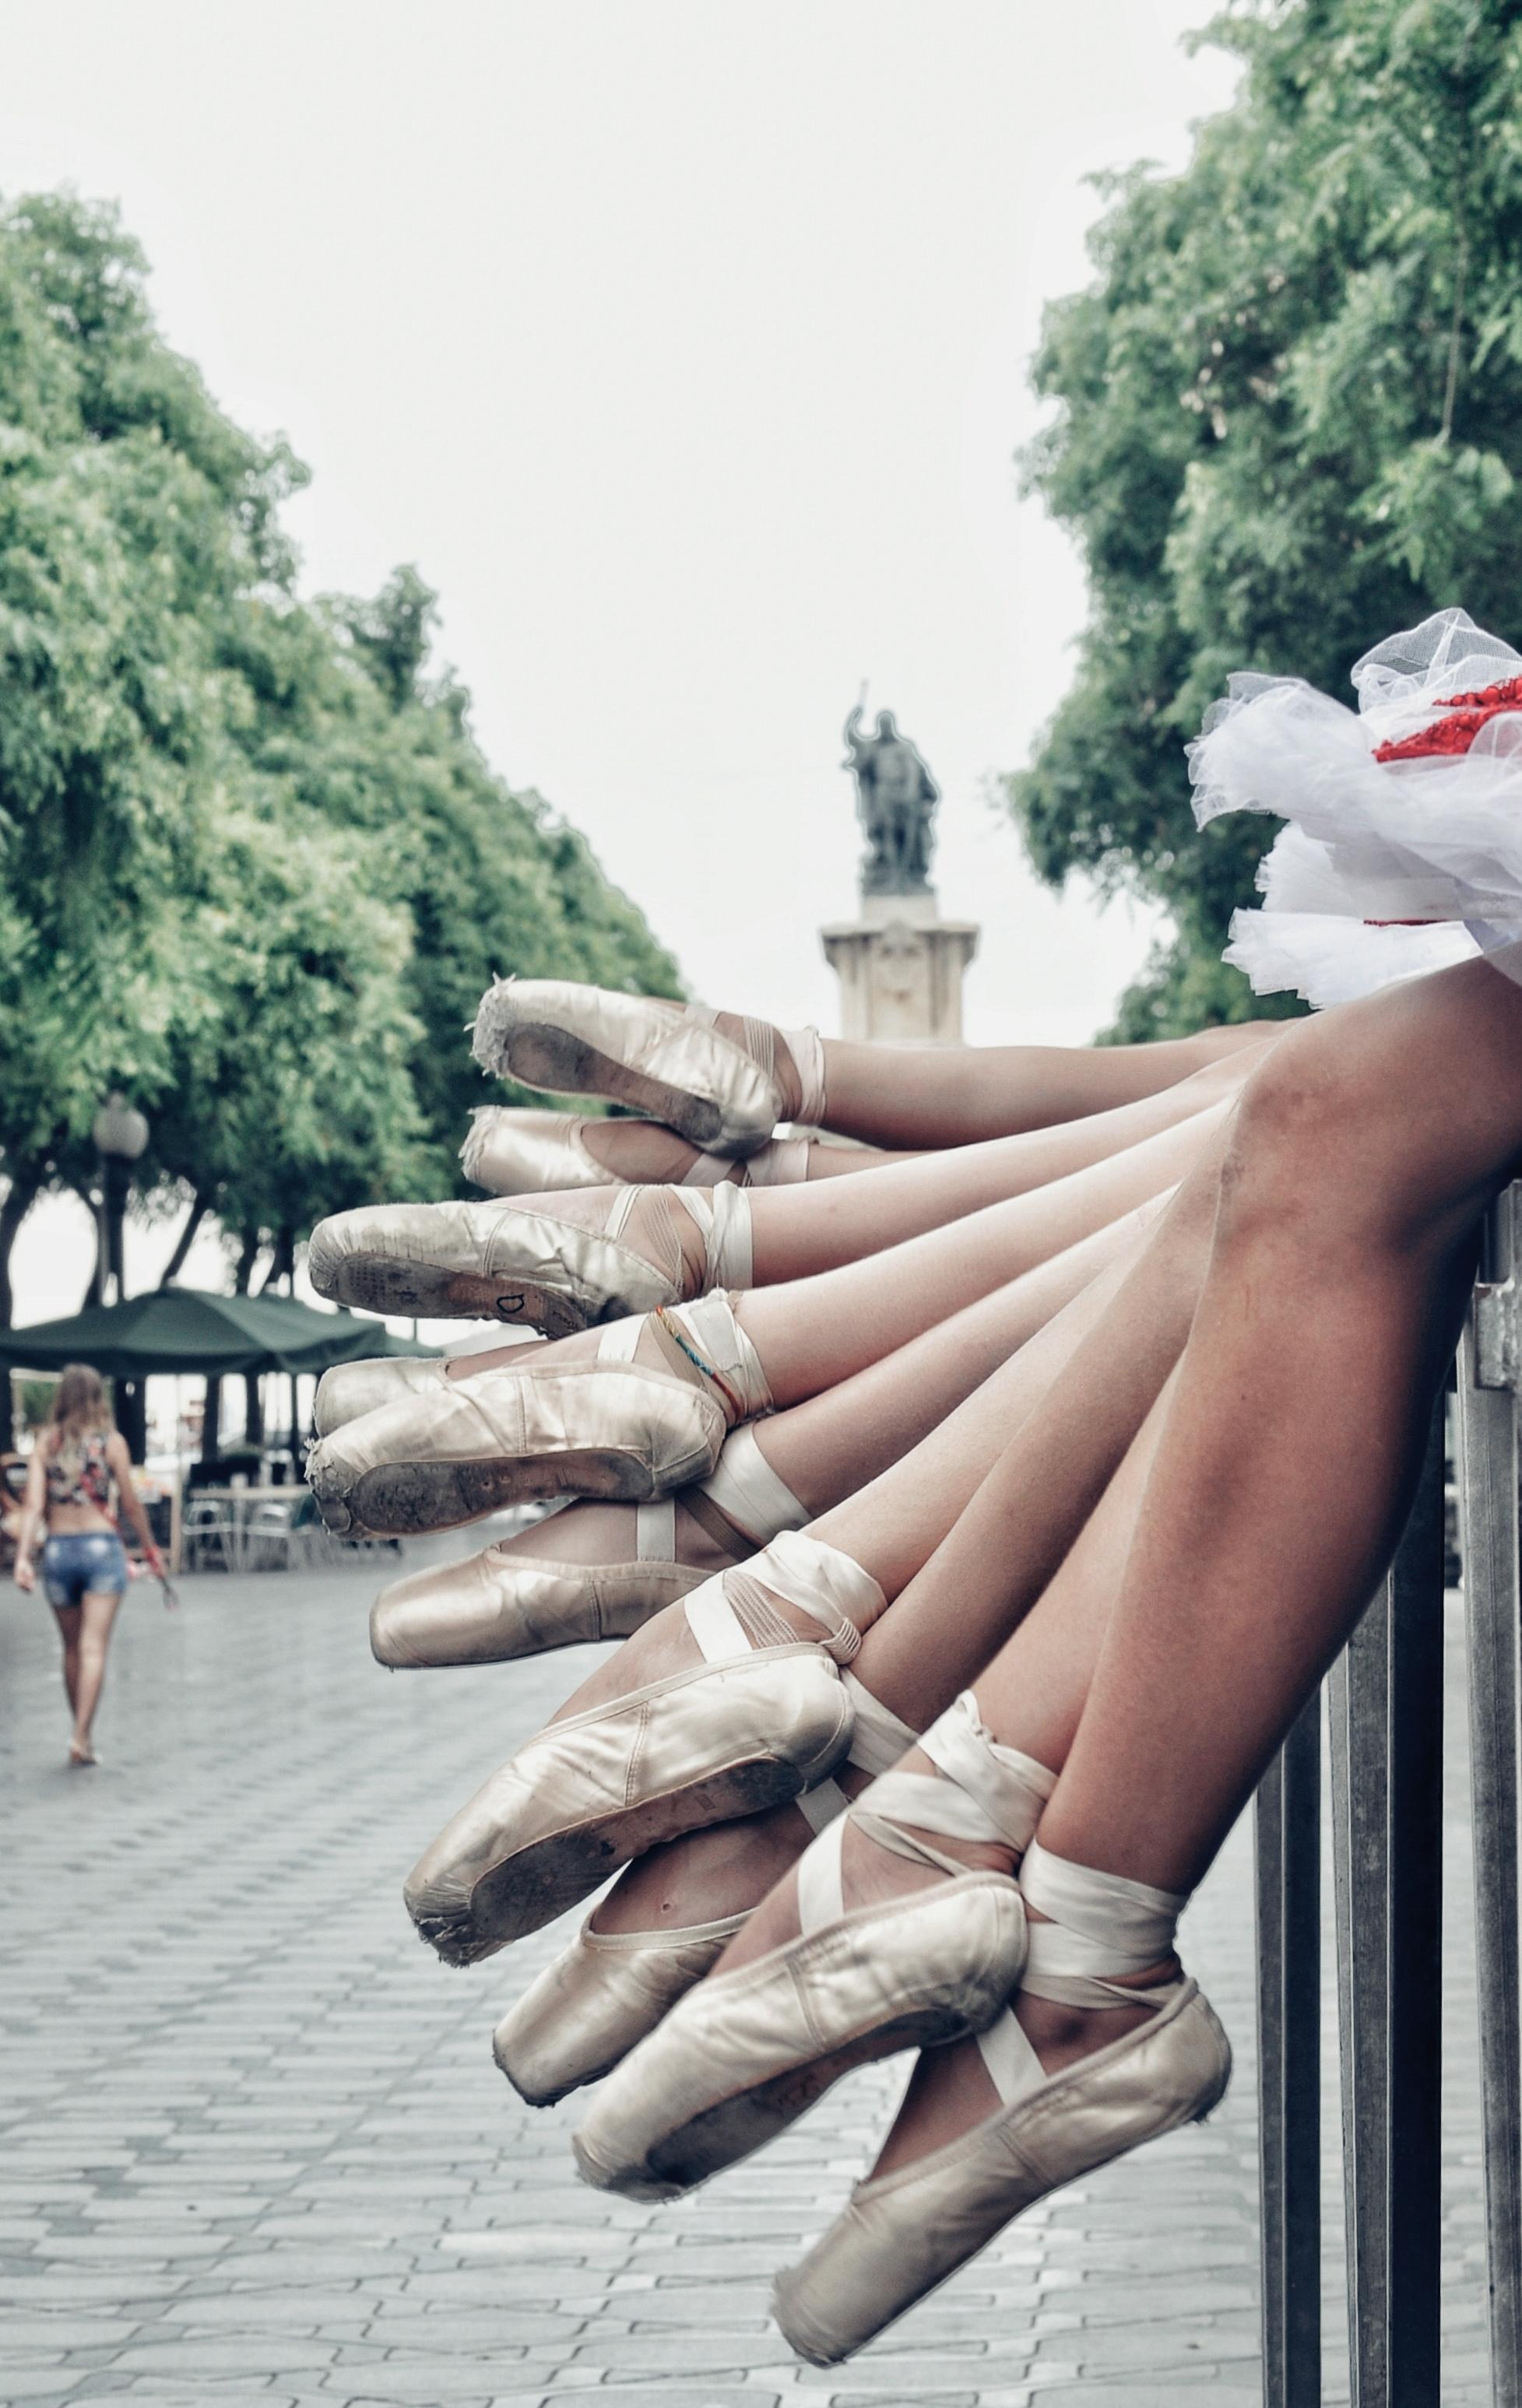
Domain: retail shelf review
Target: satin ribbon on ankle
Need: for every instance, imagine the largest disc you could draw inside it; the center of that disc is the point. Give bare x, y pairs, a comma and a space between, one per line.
980, 1790
808, 1061
1100, 1925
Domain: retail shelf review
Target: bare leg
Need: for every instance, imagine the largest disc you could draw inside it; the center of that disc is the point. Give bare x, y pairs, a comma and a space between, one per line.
829, 1447
97, 1612
796, 1231
67, 1619
1053, 1424
811, 1333
1283, 1470
799, 1231
913, 1095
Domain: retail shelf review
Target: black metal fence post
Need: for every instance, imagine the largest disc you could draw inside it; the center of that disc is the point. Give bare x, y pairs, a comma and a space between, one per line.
1489, 1378
1385, 1699
1358, 1697
1414, 1895
1289, 1840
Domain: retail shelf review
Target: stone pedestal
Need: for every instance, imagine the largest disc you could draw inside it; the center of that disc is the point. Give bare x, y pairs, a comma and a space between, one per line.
900, 967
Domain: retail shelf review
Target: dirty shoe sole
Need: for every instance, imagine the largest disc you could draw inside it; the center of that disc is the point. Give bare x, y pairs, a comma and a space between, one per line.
736, 2127
430, 1291
529, 1888
542, 1056
400, 1500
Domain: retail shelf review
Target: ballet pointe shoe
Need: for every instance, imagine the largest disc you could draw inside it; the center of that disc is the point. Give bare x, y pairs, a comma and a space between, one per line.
904, 2233
510, 1152
505, 1603
350, 1390
760, 1717
609, 1989
600, 1995
521, 1263
668, 1061
606, 1428
750, 2050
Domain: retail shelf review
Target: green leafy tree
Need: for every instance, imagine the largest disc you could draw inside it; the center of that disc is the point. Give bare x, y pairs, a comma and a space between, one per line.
1287, 422
254, 868
343, 715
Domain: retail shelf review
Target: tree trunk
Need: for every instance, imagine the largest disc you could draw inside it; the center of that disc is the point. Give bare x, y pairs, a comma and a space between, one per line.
282, 1263
253, 1411
175, 1263
19, 1198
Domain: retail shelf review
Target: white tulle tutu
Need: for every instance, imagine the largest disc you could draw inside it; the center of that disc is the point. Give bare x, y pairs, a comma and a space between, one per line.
1403, 852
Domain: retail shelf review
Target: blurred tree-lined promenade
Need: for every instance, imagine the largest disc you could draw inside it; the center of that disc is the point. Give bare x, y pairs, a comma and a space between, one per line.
1289, 420
254, 868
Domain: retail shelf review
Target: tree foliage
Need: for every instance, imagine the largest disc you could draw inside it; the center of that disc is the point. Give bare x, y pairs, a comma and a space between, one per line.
253, 867
1286, 421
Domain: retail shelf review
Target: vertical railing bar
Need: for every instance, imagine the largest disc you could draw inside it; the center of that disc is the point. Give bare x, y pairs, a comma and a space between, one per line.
1415, 1893
1288, 1885
1487, 1485
1358, 1698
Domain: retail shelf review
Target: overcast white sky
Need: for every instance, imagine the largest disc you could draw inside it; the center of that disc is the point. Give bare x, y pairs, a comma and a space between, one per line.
681, 344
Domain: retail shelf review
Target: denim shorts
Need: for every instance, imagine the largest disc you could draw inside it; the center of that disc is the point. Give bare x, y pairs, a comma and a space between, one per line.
83, 1559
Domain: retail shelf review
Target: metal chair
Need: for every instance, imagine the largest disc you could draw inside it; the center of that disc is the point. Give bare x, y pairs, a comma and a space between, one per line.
208, 1528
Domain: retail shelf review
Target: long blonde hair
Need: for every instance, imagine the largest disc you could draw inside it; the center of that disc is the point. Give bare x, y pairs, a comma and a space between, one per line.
80, 1407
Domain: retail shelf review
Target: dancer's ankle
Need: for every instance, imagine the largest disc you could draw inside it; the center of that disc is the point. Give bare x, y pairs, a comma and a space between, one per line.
725, 1869
1061, 2034
757, 1037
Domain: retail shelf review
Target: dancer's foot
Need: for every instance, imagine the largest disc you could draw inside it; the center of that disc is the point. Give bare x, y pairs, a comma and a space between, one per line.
725, 1704
593, 1572
901, 1925
656, 1932
951, 2090
664, 1923
558, 1263
721, 1080
514, 1152
639, 1409
82, 1751
1099, 2056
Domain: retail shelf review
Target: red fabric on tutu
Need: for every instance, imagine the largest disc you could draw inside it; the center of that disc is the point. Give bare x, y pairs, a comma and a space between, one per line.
1456, 734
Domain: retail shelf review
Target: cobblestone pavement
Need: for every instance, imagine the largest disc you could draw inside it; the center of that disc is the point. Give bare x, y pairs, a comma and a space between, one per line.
256, 2149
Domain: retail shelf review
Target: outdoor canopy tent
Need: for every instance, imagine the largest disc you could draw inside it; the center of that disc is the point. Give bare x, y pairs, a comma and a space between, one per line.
189, 1330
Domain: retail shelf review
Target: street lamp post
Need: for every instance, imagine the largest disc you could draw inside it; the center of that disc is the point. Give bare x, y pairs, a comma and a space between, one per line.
120, 1133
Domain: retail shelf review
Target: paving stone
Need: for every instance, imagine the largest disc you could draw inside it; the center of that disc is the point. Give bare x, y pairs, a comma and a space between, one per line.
255, 2150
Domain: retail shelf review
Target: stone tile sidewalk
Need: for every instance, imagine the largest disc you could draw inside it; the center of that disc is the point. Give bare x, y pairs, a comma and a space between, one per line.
256, 2150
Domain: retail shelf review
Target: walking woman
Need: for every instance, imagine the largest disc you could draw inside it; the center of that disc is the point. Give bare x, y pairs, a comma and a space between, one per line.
77, 1460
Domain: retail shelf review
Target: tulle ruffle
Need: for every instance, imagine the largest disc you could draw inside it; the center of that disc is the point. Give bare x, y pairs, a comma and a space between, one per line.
1436, 839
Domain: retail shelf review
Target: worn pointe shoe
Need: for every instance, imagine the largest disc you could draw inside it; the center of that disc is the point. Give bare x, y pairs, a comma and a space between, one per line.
505, 1261
506, 1602
607, 1989
749, 2050
666, 1060
905, 2231
607, 1427
600, 1995
351, 1389
762, 1717
514, 1152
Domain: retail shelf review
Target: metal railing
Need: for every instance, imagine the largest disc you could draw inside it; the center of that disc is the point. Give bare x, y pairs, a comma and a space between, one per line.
1384, 1702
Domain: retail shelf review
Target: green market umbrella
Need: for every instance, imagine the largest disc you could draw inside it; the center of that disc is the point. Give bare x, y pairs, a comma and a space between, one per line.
188, 1329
